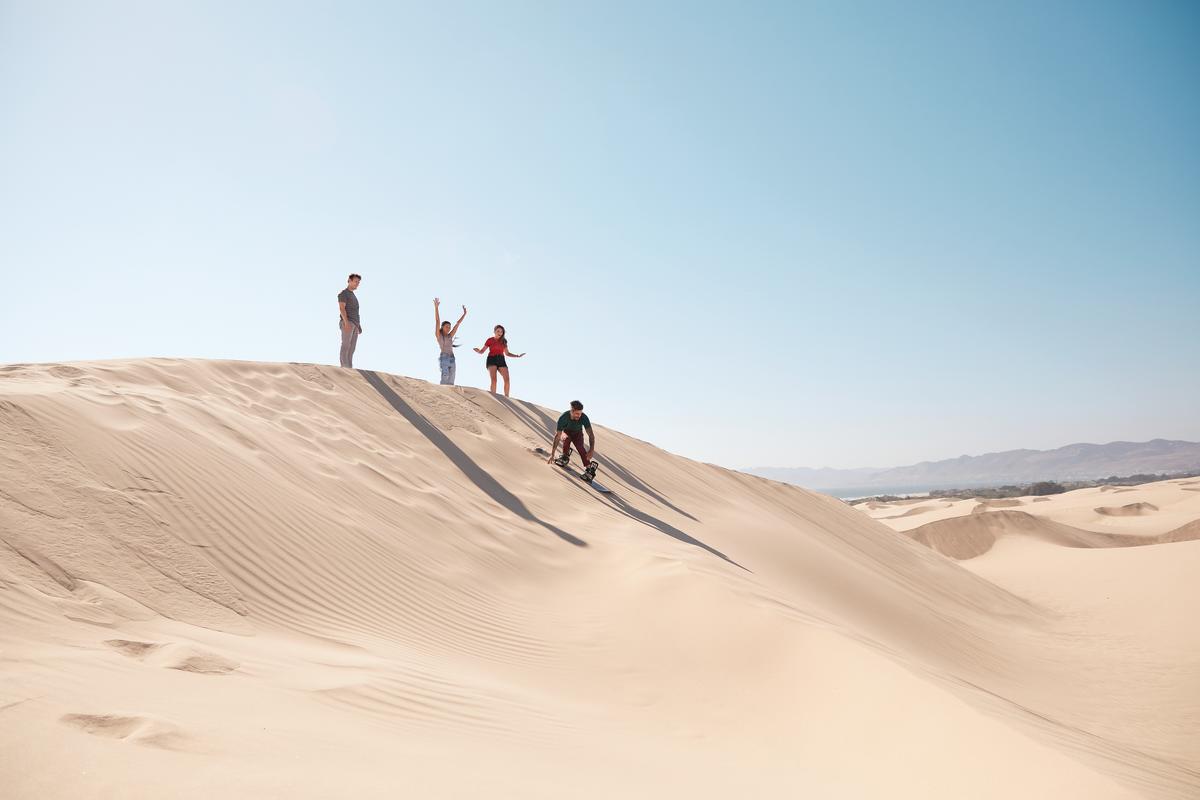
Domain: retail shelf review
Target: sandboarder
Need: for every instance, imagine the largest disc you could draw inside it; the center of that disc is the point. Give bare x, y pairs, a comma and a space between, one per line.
445, 338
571, 426
348, 322
497, 349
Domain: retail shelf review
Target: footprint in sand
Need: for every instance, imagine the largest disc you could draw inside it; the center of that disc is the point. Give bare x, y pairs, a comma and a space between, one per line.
205, 664
133, 728
313, 374
127, 647
185, 658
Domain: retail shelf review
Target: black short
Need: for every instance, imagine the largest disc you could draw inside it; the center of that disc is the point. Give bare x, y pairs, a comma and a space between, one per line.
497, 361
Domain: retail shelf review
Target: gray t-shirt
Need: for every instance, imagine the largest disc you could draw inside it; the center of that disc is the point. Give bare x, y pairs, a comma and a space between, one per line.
446, 343
351, 300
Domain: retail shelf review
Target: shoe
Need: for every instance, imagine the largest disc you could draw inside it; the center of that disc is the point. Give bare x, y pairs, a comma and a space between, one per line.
562, 461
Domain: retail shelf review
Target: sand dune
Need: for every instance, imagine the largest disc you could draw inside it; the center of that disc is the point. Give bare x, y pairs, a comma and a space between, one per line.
232, 579
912, 512
928, 509
1149, 509
1004, 502
1128, 510
967, 537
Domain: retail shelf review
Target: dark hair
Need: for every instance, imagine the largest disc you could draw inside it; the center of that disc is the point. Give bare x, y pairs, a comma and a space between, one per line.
354, 275
578, 406
503, 334
445, 322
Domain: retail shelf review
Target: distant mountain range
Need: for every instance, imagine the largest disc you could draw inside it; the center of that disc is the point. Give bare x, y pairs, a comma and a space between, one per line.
1073, 462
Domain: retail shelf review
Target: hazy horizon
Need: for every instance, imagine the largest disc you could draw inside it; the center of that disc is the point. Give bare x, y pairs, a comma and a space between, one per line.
948, 458
749, 234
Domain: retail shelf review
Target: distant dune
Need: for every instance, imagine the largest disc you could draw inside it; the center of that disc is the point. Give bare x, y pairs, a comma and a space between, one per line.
1128, 510
973, 535
235, 579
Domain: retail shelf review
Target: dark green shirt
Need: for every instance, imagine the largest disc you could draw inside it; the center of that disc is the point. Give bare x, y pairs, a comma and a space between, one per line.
565, 423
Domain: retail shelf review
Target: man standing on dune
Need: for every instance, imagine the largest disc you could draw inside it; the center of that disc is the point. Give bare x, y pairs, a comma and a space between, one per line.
348, 319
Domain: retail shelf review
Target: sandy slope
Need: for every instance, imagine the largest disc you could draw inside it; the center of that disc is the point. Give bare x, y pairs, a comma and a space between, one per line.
1118, 564
224, 579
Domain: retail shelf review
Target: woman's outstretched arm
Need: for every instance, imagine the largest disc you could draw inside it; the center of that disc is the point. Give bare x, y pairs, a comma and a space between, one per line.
454, 330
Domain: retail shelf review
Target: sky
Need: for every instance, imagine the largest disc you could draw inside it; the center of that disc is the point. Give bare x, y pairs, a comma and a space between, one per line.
788, 234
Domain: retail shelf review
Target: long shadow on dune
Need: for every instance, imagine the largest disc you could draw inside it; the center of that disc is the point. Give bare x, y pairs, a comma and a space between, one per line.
478, 476
533, 417
614, 466
664, 527
652, 521
530, 414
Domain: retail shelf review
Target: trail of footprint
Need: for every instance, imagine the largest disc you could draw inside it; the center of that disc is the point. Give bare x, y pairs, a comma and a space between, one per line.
185, 658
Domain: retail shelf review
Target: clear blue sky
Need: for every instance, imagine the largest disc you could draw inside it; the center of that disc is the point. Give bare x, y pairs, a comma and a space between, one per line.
792, 234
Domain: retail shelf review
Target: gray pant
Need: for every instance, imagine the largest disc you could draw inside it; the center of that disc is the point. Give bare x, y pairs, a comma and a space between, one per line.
349, 340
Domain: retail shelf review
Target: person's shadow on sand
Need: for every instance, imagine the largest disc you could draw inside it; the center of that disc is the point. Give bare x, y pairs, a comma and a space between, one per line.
664, 527
537, 421
477, 475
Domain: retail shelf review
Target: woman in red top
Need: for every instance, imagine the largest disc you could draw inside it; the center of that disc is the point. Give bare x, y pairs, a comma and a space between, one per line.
497, 349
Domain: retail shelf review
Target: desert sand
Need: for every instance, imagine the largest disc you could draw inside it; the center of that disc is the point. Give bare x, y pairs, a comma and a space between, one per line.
233, 579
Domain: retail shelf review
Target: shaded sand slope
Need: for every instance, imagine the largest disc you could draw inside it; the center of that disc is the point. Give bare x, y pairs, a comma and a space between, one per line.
268, 580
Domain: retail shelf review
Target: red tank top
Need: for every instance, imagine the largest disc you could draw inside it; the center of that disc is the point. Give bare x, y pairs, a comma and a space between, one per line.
495, 346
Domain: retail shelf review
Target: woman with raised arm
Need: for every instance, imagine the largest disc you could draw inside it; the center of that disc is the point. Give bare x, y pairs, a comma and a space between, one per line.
445, 339
497, 349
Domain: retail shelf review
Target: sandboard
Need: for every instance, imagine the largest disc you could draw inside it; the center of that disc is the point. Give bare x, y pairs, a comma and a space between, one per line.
599, 487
